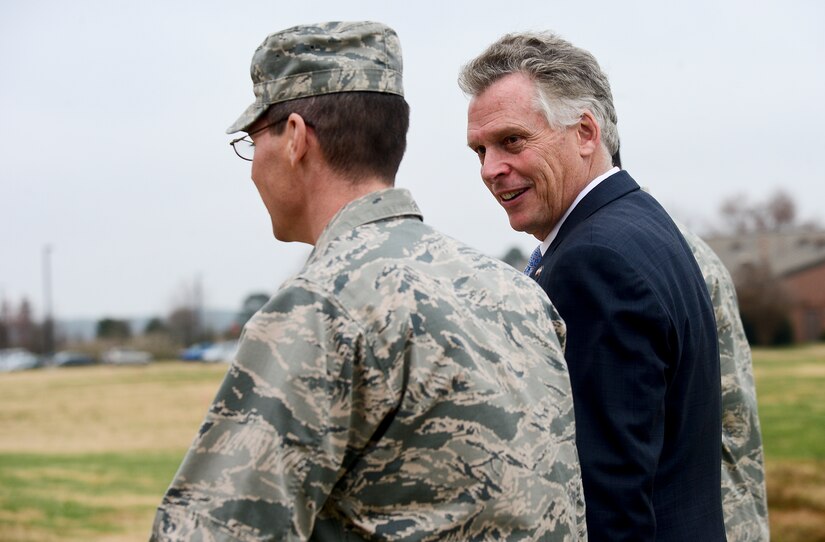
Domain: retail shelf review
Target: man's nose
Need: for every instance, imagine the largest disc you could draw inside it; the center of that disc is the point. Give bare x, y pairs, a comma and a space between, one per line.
493, 166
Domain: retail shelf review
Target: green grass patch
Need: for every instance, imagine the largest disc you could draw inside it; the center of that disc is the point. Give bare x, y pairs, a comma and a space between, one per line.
790, 388
791, 394
77, 496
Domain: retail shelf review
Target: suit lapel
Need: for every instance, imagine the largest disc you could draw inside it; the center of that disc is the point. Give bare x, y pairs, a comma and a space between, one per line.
610, 189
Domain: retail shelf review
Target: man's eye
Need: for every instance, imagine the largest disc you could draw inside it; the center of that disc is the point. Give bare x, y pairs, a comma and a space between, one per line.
480, 151
511, 140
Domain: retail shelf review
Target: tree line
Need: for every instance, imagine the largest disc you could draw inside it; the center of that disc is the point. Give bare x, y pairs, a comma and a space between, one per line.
764, 302
164, 337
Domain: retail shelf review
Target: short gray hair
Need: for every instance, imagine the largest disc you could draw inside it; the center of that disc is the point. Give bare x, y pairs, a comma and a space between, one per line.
568, 79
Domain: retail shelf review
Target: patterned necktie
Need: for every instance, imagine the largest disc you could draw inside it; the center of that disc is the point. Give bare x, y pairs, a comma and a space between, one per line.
535, 259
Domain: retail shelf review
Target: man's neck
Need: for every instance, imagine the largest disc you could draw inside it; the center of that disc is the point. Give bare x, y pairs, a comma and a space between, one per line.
547, 241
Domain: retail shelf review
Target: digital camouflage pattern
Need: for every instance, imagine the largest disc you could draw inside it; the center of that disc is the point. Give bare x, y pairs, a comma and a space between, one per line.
744, 499
401, 386
310, 60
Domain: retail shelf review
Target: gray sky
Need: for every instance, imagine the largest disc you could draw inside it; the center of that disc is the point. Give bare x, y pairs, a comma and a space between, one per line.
112, 115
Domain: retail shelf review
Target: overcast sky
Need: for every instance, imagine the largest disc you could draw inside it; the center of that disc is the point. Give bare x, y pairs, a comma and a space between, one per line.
113, 152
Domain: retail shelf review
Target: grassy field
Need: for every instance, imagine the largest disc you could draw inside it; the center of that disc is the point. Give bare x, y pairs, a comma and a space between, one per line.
86, 453
790, 387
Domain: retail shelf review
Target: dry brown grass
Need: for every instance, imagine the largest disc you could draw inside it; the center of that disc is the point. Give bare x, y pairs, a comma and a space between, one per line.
104, 420
97, 409
796, 499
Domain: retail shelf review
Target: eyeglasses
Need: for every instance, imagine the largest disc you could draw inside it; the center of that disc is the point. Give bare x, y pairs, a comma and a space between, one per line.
244, 147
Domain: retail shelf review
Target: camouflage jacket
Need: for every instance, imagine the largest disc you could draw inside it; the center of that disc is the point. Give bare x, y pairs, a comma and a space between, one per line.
401, 386
744, 500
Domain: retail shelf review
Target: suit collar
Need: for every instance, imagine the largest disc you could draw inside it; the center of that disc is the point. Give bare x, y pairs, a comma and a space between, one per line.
612, 188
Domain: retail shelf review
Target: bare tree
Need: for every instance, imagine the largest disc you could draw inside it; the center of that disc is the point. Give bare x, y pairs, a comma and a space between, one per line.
183, 324
25, 332
185, 321
781, 211
777, 213
735, 215
5, 324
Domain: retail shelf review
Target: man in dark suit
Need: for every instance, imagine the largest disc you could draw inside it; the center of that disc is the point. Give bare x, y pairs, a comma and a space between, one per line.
642, 347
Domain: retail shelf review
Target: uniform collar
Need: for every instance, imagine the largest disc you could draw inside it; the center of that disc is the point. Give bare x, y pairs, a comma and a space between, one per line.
375, 206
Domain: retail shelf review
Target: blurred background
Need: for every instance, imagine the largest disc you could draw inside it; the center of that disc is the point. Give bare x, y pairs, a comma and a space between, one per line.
131, 234
120, 196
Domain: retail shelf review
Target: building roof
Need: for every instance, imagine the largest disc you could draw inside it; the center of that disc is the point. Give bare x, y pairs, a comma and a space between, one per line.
786, 252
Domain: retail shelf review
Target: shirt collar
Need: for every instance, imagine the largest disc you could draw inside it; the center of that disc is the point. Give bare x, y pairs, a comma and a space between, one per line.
586, 190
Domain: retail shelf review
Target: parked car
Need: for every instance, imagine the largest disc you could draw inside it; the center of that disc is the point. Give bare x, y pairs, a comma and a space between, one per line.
67, 358
221, 352
195, 352
125, 356
18, 359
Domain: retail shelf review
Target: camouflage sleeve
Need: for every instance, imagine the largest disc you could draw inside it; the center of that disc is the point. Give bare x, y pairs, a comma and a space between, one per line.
743, 471
275, 439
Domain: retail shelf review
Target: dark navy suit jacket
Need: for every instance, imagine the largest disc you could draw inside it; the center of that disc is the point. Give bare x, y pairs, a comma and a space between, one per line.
644, 365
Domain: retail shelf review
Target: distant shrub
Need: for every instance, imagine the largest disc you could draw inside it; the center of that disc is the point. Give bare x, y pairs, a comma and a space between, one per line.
783, 336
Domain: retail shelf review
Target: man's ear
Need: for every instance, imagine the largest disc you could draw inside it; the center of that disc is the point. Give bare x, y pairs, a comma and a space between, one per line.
589, 133
297, 143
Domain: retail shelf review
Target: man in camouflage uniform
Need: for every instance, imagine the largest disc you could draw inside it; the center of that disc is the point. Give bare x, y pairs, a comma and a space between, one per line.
401, 386
744, 498
744, 501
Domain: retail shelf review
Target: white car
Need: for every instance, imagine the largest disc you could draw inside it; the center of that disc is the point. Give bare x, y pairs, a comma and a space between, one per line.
125, 356
17, 359
221, 352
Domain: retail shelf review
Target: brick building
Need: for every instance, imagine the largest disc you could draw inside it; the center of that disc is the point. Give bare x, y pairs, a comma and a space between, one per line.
797, 259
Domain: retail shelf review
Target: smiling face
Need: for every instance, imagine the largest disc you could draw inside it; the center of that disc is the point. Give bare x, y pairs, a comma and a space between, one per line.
534, 171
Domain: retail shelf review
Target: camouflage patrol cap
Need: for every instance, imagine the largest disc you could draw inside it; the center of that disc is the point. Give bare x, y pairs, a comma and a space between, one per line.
324, 58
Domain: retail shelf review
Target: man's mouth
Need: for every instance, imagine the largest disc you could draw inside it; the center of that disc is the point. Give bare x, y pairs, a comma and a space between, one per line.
510, 196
